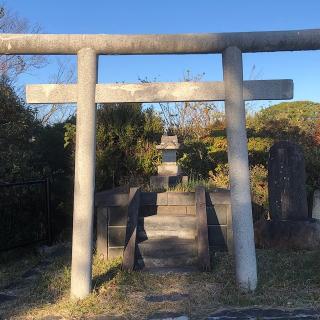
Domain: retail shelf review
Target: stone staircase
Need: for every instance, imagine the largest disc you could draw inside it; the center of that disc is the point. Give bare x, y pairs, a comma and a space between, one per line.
173, 230
167, 241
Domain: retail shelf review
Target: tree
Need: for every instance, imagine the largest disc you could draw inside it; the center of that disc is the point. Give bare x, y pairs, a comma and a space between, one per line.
189, 119
18, 130
58, 113
126, 139
11, 66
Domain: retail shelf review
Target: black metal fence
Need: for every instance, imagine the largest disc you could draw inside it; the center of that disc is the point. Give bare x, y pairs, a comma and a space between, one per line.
25, 216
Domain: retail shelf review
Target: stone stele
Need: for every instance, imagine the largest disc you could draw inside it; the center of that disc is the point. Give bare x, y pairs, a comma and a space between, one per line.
286, 182
316, 205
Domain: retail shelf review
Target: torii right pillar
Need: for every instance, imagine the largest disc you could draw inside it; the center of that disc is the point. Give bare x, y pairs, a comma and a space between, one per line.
242, 222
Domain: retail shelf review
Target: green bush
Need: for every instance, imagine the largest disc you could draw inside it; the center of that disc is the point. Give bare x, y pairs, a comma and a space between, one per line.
126, 140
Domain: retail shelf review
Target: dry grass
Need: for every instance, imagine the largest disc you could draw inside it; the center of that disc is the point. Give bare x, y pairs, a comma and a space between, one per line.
286, 279
189, 186
14, 263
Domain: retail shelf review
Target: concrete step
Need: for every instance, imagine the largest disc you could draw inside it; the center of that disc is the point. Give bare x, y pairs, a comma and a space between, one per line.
180, 210
152, 263
151, 233
172, 270
159, 227
168, 222
172, 247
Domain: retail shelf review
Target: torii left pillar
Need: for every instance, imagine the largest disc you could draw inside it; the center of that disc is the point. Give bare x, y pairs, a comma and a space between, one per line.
84, 183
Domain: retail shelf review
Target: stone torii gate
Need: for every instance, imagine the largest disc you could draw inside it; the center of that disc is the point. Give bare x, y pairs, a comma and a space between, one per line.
234, 91
165, 92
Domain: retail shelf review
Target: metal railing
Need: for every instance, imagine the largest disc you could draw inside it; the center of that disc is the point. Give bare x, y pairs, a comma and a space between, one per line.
25, 214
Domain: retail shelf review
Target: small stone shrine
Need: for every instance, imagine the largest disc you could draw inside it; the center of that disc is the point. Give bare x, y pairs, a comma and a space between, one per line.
169, 172
169, 146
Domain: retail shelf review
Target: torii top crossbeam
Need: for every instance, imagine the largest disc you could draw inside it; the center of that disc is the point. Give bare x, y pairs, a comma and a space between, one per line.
266, 41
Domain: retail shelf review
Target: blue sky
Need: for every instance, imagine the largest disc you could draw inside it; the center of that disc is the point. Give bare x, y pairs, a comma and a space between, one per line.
176, 16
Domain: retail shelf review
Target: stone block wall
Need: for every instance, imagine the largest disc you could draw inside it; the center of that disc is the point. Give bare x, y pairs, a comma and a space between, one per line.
219, 220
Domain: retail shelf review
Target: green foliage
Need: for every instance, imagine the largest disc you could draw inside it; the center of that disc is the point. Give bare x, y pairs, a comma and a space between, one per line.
258, 148
297, 114
18, 129
296, 122
293, 121
126, 138
125, 143
218, 150
194, 159
29, 150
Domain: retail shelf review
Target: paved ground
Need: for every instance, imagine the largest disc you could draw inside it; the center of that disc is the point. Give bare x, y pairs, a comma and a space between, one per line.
270, 314
239, 314
226, 314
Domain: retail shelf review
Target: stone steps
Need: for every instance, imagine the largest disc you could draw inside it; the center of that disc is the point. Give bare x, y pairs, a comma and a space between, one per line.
166, 241
167, 247
151, 233
159, 226
152, 263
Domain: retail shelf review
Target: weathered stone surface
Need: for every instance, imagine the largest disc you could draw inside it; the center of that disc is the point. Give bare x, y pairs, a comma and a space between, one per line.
115, 252
172, 210
114, 197
116, 236
288, 234
219, 196
169, 156
316, 205
261, 313
166, 315
169, 173
217, 236
286, 182
160, 92
244, 249
168, 222
191, 210
263, 41
6, 297
160, 182
169, 169
168, 143
102, 232
154, 198
217, 215
118, 216
146, 211
181, 198
107, 317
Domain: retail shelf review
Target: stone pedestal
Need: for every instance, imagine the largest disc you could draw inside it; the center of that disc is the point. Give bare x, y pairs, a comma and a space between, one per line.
159, 182
169, 169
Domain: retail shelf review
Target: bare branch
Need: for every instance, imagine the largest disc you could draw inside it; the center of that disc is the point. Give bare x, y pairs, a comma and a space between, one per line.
56, 112
12, 66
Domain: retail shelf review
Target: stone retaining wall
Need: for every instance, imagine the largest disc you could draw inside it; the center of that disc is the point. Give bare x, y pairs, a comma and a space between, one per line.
113, 215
